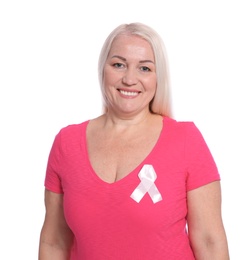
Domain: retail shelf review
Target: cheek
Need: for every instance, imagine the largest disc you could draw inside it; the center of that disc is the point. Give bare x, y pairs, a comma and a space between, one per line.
105, 77
109, 78
151, 84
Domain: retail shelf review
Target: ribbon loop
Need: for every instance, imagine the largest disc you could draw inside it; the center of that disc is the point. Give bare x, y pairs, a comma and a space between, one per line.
147, 176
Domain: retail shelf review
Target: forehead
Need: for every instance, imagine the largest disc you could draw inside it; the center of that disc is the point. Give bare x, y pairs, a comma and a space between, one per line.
125, 44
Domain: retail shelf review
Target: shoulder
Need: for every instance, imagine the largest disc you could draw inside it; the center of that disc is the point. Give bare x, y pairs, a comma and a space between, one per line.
73, 129
185, 133
71, 135
184, 127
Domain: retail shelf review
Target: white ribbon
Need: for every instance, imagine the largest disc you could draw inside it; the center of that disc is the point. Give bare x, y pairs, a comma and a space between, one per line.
147, 175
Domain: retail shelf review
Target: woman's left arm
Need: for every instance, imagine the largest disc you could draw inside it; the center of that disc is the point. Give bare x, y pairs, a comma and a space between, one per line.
205, 226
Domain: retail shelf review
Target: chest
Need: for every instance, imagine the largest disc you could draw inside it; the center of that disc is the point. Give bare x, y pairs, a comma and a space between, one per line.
114, 158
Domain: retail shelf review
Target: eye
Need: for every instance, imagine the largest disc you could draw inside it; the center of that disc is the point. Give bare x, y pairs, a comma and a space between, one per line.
144, 68
118, 65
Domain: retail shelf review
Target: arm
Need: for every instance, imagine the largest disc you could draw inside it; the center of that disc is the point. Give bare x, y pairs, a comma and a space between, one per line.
56, 237
205, 227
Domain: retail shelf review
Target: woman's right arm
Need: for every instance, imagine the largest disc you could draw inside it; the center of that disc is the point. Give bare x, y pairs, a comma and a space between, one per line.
56, 237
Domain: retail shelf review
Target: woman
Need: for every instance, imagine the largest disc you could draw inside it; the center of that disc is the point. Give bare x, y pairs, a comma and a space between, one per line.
132, 183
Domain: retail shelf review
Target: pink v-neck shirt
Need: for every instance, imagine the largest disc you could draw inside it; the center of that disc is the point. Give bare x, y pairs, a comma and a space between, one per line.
108, 224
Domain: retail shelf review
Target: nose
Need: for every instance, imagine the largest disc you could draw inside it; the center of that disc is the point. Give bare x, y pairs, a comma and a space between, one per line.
130, 77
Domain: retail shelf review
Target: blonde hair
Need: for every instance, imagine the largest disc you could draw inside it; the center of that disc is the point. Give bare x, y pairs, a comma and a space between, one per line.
161, 102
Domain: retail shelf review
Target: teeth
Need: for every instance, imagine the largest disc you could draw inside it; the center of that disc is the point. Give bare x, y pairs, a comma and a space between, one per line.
130, 93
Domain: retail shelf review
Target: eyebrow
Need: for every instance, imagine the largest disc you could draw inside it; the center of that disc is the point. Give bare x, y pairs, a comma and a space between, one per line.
122, 58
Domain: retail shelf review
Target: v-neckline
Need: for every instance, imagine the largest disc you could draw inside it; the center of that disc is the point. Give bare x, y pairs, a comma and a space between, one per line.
131, 174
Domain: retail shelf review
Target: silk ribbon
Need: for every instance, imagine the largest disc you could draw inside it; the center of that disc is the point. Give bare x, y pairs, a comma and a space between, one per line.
147, 176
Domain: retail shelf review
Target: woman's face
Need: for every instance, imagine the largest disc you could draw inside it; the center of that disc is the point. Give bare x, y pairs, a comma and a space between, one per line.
129, 75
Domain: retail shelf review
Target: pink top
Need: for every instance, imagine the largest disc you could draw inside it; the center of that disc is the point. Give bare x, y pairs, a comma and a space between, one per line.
107, 223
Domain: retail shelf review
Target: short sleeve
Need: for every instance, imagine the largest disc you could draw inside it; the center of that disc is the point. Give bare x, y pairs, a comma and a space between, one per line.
201, 167
52, 178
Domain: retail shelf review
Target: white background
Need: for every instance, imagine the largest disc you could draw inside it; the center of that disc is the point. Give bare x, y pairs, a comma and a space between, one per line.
48, 79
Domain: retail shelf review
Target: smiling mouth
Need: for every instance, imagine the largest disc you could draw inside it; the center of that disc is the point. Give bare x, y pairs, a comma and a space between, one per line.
129, 93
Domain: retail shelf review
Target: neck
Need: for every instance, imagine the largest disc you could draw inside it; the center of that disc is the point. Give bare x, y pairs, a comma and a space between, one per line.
127, 120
